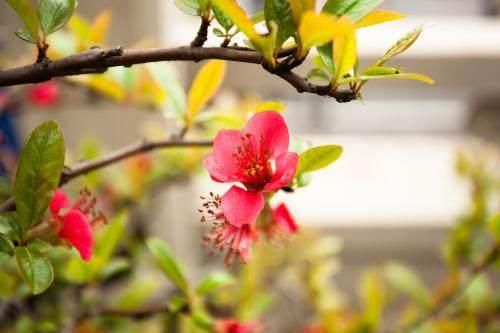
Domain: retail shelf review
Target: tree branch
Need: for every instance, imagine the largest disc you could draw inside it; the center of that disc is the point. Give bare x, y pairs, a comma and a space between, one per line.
85, 167
202, 35
99, 60
490, 256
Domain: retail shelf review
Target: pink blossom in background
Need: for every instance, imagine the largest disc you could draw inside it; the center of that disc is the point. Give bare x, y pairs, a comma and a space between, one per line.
44, 94
234, 326
75, 222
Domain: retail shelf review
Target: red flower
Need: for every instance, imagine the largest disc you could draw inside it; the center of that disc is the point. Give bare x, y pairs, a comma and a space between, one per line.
283, 220
233, 216
257, 156
75, 222
44, 94
234, 326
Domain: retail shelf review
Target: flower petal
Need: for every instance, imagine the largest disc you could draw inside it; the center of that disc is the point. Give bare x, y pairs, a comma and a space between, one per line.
77, 230
286, 166
59, 201
271, 127
283, 218
222, 165
241, 207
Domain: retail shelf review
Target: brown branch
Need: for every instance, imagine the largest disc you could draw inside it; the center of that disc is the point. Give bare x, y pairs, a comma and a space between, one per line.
99, 60
202, 35
473, 272
85, 167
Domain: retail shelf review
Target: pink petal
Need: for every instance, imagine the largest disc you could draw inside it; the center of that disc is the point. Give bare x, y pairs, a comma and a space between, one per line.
286, 166
76, 230
282, 217
271, 127
241, 207
221, 164
59, 201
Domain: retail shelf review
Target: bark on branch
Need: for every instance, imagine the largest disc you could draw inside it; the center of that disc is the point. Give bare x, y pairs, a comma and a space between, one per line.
99, 60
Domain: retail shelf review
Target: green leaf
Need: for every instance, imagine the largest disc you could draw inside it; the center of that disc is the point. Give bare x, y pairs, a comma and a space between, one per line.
222, 19
167, 263
214, 282
35, 270
356, 9
405, 76
374, 71
494, 226
165, 77
373, 297
400, 46
27, 14
317, 158
6, 245
38, 172
9, 226
280, 12
54, 14
403, 279
218, 33
318, 73
24, 35
190, 7
325, 52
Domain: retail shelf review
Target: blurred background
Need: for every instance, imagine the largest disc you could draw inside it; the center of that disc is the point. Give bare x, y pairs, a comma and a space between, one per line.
394, 193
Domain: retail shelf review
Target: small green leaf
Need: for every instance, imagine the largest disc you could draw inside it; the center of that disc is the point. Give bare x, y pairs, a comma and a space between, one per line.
38, 246
190, 7
373, 71
27, 14
6, 245
317, 158
400, 46
54, 14
319, 74
167, 263
38, 172
326, 54
214, 282
280, 12
356, 9
222, 19
24, 35
494, 226
9, 226
403, 76
177, 302
403, 279
35, 270
218, 33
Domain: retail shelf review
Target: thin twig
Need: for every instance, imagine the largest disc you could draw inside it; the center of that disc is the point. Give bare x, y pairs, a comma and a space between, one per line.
473, 272
202, 35
85, 167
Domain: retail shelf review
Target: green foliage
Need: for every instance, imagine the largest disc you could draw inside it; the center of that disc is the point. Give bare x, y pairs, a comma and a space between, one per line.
213, 282
317, 158
190, 7
35, 270
494, 226
405, 280
167, 263
279, 12
27, 14
54, 14
9, 226
400, 46
356, 9
38, 172
222, 19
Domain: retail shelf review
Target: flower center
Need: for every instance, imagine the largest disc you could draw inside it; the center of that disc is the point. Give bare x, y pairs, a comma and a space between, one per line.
253, 159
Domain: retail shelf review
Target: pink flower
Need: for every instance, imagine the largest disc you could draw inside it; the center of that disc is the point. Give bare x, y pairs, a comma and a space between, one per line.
234, 326
233, 216
76, 222
257, 156
44, 94
282, 221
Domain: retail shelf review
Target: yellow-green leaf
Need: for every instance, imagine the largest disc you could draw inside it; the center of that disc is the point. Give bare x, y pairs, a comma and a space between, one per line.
299, 7
27, 14
378, 16
317, 29
271, 105
317, 158
204, 87
404, 76
344, 47
100, 27
35, 270
401, 45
